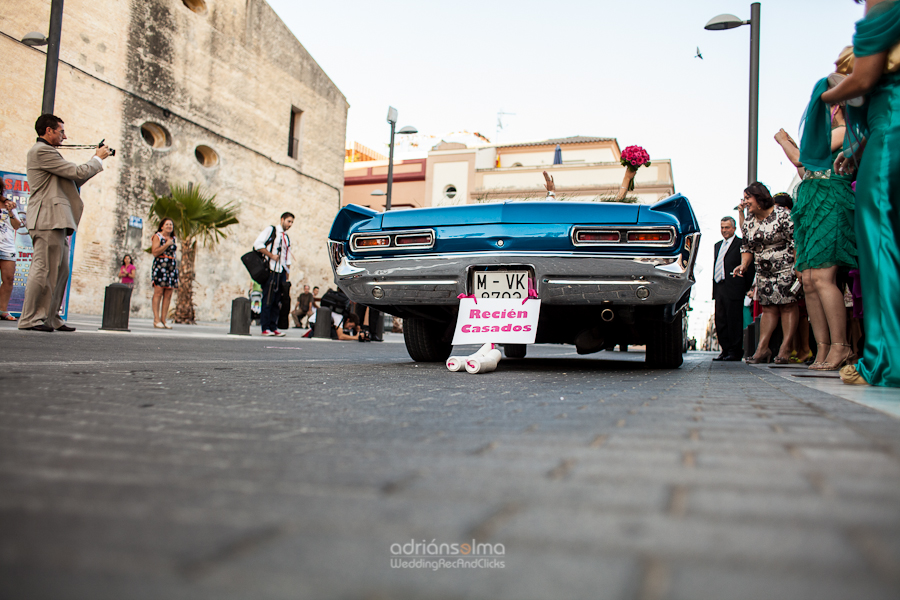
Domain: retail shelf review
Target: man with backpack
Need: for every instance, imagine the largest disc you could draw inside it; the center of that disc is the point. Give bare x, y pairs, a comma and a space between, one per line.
274, 244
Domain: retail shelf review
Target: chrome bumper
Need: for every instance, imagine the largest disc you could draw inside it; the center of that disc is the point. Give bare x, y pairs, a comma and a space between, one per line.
560, 278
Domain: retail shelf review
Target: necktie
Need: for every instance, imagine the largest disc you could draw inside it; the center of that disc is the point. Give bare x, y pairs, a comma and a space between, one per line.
719, 274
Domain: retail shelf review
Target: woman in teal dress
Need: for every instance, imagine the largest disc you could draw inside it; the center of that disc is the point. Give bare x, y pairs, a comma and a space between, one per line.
823, 237
877, 190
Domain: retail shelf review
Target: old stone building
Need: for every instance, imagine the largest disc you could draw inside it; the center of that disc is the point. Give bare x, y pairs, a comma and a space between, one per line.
213, 92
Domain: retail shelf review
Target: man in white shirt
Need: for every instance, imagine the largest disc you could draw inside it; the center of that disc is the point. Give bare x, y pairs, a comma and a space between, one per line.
728, 292
274, 244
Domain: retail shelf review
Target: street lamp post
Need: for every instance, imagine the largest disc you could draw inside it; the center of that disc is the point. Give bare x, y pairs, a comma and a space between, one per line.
726, 21
52, 43
392, 119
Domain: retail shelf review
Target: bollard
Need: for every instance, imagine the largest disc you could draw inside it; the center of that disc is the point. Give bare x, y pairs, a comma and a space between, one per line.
322, 328
116, 306
284, 316
240, 316
376, 324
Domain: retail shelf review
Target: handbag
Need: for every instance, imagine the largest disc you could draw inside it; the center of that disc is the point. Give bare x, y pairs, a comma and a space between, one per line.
257, 264
336, 300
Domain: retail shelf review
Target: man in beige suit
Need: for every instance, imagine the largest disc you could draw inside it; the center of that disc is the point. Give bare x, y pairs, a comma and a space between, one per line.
54, 211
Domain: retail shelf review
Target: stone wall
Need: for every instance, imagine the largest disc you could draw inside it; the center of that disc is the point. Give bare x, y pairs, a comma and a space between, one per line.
226, 79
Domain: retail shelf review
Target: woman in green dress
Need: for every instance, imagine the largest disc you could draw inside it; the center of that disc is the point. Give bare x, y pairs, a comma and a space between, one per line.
824, 239
877, 190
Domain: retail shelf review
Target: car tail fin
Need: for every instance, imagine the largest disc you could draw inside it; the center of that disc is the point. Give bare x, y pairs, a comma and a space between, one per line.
679, 207
349, 216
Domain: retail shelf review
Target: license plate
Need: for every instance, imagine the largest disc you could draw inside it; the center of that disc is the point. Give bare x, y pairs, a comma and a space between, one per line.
501, 284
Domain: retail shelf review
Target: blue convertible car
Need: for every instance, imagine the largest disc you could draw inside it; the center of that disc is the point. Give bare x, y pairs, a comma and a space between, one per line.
607, 273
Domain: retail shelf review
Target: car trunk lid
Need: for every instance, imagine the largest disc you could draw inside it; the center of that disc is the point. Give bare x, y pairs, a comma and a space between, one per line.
514, 213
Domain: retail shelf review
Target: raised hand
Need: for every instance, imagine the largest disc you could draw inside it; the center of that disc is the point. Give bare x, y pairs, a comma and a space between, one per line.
783, 138
548, 182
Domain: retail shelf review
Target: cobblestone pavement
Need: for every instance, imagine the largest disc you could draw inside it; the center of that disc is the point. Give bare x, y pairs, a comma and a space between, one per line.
166, 466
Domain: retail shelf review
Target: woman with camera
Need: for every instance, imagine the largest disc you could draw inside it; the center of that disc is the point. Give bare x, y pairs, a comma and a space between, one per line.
126, 271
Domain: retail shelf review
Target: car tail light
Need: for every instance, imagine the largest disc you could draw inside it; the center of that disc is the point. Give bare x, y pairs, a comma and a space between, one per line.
337, 252
650, 237
415, 239
597, 236
410, 239
373, 242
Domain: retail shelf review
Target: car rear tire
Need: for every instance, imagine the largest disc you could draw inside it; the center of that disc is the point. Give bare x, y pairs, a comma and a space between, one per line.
425, 340
515, 350
664, 345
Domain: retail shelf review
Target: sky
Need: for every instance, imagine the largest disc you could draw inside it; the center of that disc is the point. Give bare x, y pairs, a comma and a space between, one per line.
610, 69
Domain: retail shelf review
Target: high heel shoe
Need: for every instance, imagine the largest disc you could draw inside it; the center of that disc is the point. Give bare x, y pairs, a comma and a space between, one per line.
766, 357
817, 364
797, 360
781, 360
827, 366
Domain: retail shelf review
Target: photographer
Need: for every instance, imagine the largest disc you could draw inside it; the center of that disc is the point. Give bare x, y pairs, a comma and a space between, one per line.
350, 330
54, 211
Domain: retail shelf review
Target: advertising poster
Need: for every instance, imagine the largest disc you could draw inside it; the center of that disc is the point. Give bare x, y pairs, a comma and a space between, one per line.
15, 188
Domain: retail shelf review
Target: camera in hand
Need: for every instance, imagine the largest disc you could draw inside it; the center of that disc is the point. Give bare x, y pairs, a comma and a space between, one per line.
112, 151
365, 336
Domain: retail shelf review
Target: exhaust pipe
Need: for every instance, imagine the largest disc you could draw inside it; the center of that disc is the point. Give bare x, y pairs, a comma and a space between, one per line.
607, 315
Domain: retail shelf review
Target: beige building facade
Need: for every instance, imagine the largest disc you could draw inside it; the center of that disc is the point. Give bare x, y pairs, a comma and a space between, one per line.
212, 92
362, 179
454, 173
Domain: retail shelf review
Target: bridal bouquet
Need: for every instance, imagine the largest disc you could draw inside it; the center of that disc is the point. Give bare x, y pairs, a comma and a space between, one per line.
634, 157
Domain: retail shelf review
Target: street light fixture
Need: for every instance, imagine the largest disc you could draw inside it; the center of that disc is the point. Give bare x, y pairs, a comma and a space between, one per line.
392, 119
720, 23
35, 38
50, 70
725, 21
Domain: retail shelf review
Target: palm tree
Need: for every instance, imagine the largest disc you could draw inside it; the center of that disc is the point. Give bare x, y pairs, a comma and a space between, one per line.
197, 218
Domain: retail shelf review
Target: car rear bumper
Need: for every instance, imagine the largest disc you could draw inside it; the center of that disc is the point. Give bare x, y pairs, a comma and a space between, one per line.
560, 278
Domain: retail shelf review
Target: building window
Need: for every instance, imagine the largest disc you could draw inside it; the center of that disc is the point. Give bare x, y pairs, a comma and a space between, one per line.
198, 6
450, 192
294, 133
156, 135
206, 156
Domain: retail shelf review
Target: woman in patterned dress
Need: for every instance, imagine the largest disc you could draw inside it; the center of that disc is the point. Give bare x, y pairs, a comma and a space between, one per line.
769, 241
165, 271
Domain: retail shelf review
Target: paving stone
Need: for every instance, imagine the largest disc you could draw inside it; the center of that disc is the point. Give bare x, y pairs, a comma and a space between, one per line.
810, 507
735, 583
287, 468
763, 543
